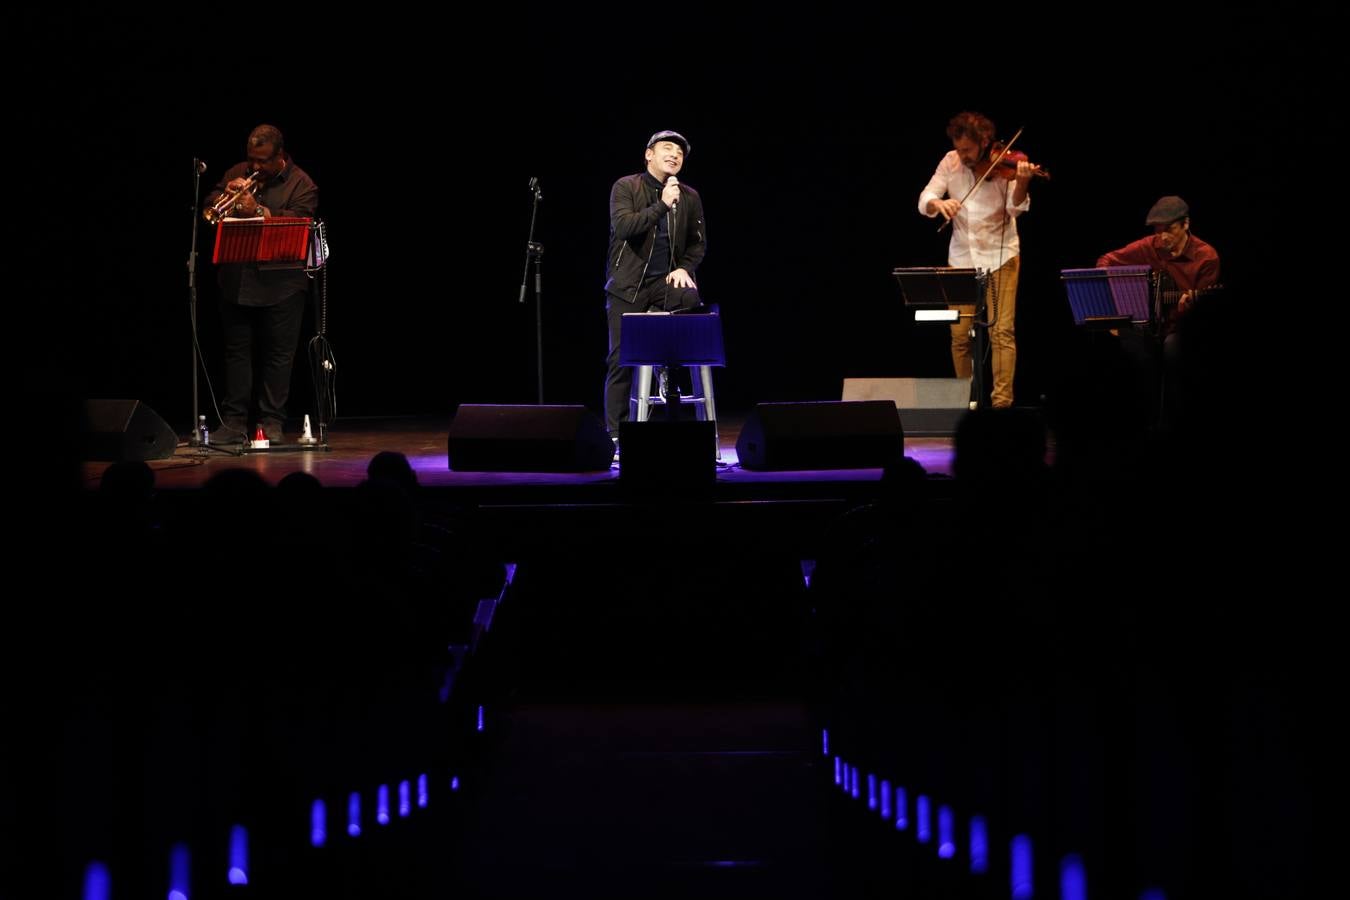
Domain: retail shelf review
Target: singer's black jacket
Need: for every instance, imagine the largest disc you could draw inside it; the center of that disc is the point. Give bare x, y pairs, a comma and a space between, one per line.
635, 207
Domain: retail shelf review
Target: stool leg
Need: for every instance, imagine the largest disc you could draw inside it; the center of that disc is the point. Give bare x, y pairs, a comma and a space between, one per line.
640, 405
709, 408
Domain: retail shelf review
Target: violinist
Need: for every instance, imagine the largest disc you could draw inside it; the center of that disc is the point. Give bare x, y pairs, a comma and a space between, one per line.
981, 194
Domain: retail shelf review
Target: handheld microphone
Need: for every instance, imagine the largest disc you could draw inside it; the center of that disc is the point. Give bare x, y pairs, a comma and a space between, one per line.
675, 181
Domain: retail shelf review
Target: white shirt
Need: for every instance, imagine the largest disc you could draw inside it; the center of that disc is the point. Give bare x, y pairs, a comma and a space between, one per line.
979, 229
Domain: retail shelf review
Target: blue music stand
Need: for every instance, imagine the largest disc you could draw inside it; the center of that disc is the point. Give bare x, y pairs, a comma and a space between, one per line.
1117, 297
668, 340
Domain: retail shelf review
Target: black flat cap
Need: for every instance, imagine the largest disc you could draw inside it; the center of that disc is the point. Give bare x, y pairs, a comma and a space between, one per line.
673, 136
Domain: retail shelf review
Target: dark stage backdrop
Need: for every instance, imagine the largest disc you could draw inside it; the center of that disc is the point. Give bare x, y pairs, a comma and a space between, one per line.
811, 140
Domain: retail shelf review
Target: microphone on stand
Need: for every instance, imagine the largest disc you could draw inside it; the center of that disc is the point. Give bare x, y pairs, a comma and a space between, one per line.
532, 252
200, 166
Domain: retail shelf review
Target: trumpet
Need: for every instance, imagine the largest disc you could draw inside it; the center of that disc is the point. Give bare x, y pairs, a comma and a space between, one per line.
216, 211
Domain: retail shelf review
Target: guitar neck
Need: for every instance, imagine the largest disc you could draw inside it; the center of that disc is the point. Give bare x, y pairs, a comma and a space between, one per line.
1169, 298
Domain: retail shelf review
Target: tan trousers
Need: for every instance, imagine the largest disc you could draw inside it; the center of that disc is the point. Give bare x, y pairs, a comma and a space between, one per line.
1001, 299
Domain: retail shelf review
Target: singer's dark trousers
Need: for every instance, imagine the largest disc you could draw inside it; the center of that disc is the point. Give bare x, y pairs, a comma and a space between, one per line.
260, 346
654, 294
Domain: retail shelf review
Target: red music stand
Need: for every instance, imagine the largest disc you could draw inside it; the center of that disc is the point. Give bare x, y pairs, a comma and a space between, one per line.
281, 242
278, 242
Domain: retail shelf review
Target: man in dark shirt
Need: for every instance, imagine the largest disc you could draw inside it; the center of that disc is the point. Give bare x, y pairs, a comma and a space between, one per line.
262, 308
656, 241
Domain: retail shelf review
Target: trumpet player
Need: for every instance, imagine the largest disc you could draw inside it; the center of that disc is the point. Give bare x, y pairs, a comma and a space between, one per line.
261, 309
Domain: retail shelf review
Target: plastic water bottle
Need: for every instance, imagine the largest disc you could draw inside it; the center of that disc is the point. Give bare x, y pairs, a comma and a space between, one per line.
203, 436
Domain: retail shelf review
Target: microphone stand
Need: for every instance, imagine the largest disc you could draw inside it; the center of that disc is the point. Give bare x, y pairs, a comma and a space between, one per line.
668, 385
198, 168
535, 251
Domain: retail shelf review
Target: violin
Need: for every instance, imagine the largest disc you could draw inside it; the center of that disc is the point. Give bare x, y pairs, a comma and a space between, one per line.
1006, 167
999, 160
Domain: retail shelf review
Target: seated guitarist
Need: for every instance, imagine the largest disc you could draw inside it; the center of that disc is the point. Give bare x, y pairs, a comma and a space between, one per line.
1192, 266
1172, 251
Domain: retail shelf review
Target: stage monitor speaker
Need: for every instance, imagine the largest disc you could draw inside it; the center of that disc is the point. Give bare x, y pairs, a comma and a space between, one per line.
828, 435
929, 407
490, 438
668, 458
120, 430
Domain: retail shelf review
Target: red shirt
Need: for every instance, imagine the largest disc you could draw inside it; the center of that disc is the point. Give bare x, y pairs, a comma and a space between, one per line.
1197, 266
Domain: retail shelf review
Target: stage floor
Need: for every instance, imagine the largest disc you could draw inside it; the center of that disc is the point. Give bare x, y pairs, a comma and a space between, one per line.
423, 440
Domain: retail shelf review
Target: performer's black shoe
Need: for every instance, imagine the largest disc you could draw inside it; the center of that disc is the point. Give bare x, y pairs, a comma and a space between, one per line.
226, 434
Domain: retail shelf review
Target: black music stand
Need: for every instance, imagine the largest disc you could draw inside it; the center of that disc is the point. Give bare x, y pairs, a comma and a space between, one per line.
1127, 302
927, 289
277, 242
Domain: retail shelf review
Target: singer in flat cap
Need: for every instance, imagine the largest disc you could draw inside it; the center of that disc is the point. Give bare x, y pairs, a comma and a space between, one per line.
656, 242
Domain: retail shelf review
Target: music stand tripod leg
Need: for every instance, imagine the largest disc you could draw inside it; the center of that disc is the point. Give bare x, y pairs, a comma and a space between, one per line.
980, 325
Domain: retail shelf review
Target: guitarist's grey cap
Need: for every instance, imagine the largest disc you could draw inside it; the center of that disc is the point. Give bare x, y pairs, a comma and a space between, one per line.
1167, 210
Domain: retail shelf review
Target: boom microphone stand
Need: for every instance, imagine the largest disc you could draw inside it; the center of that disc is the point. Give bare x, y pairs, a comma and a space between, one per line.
535, 251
